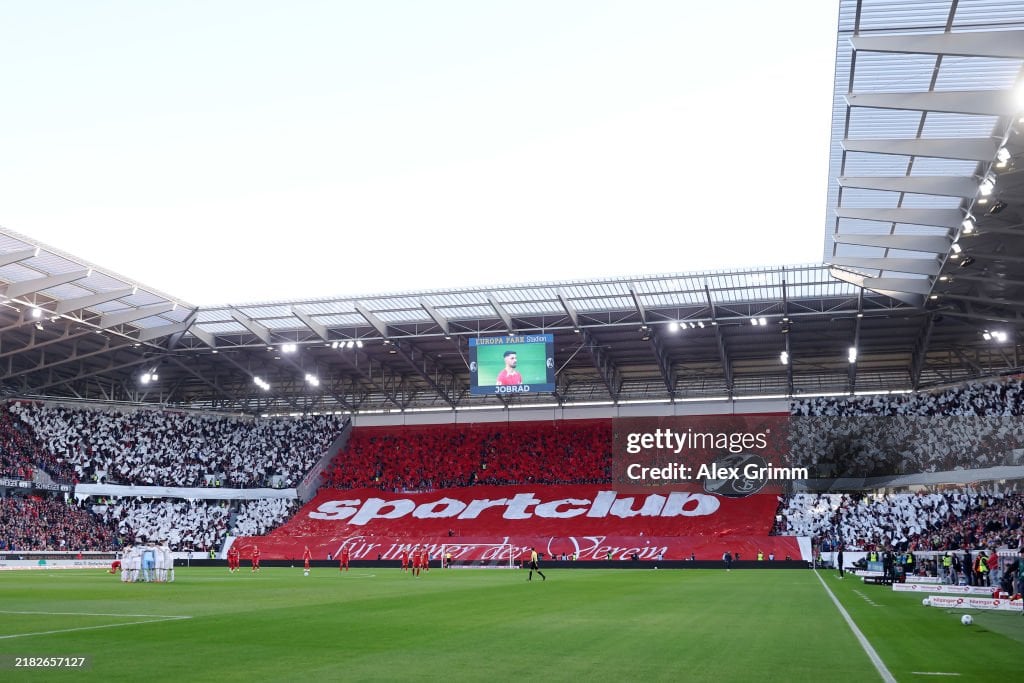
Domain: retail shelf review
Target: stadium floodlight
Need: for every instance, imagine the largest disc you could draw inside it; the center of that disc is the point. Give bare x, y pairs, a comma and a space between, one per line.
261, 383
987, 185
754, 322
763, 321
956, 247
1002, 157
290, 347
999, 335
851, 355
673, 326
335, 344
312, 380
349, 344
784, 357
37, 313
700, 324
968, 226
986, 335
145, 377
359, 343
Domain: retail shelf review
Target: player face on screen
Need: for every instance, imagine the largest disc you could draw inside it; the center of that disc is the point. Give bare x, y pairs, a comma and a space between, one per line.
510, 376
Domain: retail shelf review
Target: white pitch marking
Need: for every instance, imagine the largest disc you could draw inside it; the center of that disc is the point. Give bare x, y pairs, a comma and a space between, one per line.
934, 673
359, 576
99, 614
86, 628
867, 599
872, 655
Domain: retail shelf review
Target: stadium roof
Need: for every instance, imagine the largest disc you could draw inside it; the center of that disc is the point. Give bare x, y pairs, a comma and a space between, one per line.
924, 203
924, 102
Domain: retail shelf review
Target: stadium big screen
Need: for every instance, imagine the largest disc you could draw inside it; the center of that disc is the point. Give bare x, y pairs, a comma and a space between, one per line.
512, 365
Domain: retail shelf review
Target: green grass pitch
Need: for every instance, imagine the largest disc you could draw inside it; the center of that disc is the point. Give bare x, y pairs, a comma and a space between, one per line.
456, 625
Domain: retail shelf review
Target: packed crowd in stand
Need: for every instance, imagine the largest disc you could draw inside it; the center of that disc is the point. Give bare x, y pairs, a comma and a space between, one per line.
21, 455
183, 524
36, 523
948, 520
442, 456
1002, 398
191, 524
968, 427
174, 449
149, 447
258, 517
971, 426
997, 523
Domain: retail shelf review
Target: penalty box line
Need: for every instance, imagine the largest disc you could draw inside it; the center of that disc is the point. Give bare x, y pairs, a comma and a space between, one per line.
883, 671
152, 619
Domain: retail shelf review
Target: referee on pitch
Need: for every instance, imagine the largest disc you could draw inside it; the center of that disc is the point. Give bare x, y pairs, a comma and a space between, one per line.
534, 567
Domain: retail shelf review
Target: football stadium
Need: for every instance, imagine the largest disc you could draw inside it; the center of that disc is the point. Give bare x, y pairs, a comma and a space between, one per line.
809, 471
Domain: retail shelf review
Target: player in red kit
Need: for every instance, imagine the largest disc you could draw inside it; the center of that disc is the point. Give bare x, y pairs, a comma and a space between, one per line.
510, 376
405, 560
343, 560
234, 558
255, 558
306, 557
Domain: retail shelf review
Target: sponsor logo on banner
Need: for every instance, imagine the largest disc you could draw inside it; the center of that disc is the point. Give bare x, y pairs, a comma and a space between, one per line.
53, 564
633, 517
942, 588
53, 487
976, 603
521, 506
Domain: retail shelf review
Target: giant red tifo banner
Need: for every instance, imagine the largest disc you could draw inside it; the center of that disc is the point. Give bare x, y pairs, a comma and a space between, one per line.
590, 521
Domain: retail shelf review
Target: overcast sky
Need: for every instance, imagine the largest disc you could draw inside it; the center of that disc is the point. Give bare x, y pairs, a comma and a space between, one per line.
233, 152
